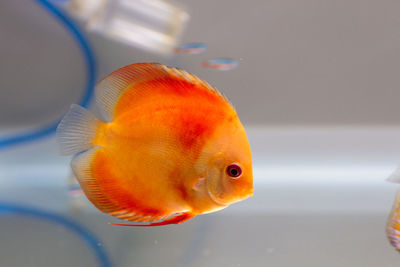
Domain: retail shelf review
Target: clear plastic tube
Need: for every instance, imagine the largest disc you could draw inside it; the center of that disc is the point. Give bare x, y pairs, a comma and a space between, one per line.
89, 238
90, 82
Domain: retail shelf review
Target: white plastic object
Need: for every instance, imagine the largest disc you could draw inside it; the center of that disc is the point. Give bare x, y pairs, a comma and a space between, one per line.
153, 25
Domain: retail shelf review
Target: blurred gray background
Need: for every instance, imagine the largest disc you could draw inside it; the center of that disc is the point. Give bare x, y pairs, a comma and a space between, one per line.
301, 62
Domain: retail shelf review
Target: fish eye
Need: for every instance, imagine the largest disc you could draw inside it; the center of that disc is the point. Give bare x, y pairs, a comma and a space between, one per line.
234, 170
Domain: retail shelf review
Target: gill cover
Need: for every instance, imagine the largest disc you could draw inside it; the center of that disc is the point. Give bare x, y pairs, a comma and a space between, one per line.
218, 186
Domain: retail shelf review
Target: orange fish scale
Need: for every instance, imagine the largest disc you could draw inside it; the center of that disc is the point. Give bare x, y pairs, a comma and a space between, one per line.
192, 112
116, 190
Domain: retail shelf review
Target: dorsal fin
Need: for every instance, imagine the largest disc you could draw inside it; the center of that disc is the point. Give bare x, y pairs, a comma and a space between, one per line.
111, 87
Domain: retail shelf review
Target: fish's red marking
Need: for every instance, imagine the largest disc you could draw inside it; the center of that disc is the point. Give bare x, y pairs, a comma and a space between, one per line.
116, 194
198, 109
174, 220
165, 89
194, 132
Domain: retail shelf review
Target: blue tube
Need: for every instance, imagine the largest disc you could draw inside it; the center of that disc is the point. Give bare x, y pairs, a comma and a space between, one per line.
84, 234
90, 83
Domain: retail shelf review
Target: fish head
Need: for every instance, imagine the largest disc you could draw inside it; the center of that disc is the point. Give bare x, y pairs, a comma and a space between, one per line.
229, 175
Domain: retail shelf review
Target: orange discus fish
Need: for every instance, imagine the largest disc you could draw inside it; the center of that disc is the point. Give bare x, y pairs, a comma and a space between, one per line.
169, 147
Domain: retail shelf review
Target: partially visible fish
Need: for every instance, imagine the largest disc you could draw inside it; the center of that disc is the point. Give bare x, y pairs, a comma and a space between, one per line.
192, 48
170, 147
393, 224
220, 64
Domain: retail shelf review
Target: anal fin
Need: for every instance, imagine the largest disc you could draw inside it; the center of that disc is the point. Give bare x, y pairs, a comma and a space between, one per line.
81, 165
180, 218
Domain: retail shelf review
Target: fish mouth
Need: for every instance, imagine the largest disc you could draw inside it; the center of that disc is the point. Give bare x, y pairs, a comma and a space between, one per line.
223, 203
217, 200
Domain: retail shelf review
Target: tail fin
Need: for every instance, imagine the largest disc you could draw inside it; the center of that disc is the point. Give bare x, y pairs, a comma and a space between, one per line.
395, 176
76, 130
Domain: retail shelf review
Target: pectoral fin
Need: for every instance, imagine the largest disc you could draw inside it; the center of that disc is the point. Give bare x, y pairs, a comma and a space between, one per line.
200, 184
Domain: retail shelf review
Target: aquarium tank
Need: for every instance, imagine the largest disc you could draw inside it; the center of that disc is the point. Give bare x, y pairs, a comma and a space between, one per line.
314, 83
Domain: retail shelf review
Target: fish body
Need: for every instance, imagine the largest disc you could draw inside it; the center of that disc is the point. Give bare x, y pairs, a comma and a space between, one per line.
163, 150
